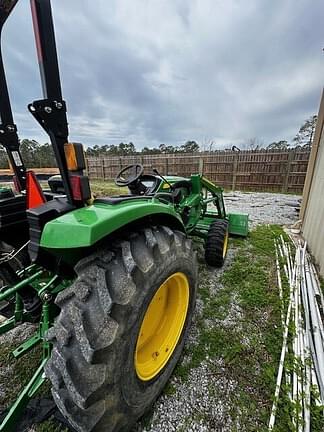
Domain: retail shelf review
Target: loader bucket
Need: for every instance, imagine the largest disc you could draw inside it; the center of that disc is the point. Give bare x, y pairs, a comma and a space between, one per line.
238, 224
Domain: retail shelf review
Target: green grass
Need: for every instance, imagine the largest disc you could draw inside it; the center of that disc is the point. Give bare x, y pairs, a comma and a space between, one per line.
50, 426
106, 188
18, 373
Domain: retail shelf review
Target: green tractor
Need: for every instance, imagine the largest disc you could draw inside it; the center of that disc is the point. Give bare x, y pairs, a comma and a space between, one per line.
111, 282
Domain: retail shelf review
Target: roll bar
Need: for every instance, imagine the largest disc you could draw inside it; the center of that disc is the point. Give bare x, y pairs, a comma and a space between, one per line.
8, 130
50, 112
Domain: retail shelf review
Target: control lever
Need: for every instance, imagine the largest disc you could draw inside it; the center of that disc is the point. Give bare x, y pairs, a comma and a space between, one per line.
166, 181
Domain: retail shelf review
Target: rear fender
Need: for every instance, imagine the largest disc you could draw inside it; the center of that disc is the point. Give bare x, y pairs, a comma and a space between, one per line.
86, 226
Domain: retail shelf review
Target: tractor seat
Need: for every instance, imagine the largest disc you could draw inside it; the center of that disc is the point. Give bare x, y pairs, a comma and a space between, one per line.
56, 184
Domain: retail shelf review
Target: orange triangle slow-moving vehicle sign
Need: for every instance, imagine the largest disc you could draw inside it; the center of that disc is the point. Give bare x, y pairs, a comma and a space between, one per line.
35, 196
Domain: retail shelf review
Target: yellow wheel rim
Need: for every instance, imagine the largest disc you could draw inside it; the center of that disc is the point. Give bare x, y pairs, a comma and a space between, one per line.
162, 326
225, 245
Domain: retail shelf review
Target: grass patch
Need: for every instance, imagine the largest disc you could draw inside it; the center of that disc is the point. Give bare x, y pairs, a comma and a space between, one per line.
17, 372
106, 188
49, 426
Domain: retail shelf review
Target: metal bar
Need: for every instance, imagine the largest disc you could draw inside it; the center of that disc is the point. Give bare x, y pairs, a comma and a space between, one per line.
10, 291
9, 422
48, 286
46, 48
45, 325
7, 325
27, 345
26, 270
19, 309
50, 112
8, 130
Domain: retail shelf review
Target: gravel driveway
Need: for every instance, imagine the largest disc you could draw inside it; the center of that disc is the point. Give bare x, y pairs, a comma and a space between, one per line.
264, 208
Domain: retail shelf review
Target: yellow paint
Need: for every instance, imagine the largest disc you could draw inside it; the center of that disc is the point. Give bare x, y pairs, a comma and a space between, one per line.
225, 245
162, 326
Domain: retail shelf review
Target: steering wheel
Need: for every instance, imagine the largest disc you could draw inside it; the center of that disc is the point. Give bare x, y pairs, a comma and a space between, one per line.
129, 175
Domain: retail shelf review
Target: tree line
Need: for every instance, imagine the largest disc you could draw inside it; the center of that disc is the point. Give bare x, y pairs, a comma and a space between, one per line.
39, 155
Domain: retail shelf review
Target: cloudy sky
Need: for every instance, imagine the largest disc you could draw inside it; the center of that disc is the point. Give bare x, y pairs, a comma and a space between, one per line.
166, 71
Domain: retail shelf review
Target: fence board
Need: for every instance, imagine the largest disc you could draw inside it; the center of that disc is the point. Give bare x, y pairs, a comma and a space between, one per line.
269, 170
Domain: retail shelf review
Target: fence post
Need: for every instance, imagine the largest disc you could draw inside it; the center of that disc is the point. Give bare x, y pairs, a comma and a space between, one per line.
285, 185
234, 171
103, 168
201, 166
166, 166
86, 166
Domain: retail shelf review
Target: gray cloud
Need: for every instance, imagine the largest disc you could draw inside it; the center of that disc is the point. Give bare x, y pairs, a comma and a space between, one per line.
167, 71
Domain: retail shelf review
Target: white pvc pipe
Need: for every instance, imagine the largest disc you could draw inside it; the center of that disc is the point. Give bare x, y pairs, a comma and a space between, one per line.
315, 326
307, 388
281, 362
280, 288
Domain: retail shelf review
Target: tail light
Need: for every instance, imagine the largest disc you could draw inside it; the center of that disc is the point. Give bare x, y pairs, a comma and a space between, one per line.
80, 187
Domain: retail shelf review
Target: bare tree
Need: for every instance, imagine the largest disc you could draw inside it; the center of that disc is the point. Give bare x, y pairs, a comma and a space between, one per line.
252, 144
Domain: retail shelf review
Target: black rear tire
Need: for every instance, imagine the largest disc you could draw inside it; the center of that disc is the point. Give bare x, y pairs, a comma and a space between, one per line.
216, 243
92, 366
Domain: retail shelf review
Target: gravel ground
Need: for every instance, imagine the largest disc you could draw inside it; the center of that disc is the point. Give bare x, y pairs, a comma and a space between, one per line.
192, 406
264, 208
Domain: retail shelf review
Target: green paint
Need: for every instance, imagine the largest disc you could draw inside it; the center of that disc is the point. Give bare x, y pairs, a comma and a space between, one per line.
7, 325
85, 226
46, 321
27, 345
238, 224
10, 291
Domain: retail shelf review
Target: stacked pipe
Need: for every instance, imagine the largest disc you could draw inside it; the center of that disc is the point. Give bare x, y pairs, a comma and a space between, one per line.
305, 338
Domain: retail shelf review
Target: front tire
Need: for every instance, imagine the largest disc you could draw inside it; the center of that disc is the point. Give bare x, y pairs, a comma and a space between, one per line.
121, 329
216, 243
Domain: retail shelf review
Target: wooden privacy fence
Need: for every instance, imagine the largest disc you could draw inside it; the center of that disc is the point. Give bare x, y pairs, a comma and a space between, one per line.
266, 170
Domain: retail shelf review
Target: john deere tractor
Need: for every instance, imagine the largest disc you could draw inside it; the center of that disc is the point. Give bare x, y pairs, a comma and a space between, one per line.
111, 282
